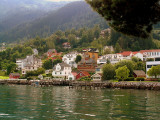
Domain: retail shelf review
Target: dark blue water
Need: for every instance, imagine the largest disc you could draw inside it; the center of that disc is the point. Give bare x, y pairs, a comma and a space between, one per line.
62, 103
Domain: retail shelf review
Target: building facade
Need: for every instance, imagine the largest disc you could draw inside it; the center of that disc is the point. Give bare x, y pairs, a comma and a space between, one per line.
62, 70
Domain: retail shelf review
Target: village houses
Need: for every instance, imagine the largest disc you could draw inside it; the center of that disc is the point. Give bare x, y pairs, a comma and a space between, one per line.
70, 59
127, 55
30, 63
89, 60
53, 54
112, 58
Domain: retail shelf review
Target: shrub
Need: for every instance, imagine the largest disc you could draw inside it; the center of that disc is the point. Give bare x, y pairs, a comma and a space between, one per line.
29, 78
140, 79
130, 79
22, 77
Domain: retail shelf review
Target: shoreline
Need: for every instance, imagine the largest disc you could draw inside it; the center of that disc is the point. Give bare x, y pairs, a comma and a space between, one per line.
105, 84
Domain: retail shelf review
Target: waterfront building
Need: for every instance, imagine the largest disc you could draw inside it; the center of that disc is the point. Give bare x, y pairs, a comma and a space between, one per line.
82, 74
62, 70
149, 65
72, 76
97, 77
14, 76
139, 73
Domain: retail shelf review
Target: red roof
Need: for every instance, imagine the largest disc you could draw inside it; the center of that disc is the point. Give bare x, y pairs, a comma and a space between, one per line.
74, 73
85, 73
155, 50
135, 52
126, 53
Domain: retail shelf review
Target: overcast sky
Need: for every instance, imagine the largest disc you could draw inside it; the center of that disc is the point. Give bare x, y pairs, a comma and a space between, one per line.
62, 0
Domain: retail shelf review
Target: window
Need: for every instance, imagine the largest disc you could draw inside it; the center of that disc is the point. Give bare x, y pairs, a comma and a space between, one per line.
55, 72
149, 66
157, 59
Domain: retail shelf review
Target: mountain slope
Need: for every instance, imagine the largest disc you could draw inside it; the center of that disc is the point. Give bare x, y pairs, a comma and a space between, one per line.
9, 7
73, 15
15, 12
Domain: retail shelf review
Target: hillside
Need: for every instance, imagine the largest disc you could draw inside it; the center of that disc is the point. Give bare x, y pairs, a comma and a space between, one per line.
16, 12
10, 7
73, 15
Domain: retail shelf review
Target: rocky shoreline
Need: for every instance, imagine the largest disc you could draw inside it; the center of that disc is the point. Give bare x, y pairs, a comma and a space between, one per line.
106, 84
133, 85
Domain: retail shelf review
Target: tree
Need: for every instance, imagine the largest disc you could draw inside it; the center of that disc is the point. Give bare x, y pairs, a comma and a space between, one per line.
118, 48
131, 17
136, 59
78, 58
122, 73
108, 72
128, 63
47, 64
11, 68
35, 72
140, 66
154, 71
56, 61
150, 59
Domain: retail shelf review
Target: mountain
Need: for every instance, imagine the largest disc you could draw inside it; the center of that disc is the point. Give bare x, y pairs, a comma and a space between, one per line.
73, 15
9, 7
15, 12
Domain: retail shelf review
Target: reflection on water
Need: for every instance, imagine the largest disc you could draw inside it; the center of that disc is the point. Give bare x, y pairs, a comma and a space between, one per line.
61, 103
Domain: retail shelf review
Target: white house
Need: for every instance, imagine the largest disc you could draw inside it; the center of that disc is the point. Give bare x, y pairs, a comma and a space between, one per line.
112, 58
138, 55
30, 63
70, 59
97, 77
72, 76
150, 53
149, 65
62, 70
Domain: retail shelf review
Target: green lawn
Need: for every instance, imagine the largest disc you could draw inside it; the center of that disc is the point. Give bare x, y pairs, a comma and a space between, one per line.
4, 77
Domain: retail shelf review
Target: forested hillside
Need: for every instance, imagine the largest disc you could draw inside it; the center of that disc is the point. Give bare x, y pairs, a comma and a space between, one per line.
73, 15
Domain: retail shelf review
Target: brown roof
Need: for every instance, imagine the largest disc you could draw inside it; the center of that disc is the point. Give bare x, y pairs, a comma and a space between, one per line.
139, 72
85, 73
62, 66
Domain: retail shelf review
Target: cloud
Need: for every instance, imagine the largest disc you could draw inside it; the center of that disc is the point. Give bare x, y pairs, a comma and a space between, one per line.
62, 0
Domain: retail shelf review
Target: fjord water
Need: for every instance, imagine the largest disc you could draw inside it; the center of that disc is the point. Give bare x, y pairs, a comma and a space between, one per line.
62, 103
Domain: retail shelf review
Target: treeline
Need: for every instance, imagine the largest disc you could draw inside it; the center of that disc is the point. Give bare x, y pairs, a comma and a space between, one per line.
123, 70
9, 56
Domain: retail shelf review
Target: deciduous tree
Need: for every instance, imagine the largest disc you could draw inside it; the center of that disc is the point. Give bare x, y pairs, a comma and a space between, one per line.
122, 73
131, 17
